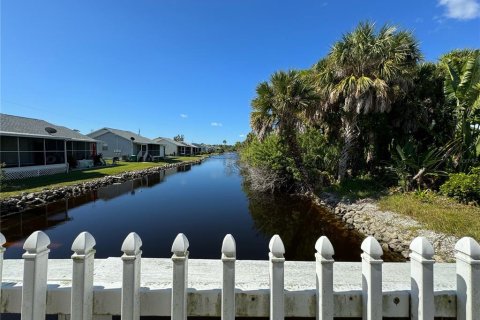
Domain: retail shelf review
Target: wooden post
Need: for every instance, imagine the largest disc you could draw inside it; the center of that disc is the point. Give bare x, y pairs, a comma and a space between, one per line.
372, 279
82, 277
421, 273
277, 261
228, 287
34, 290
467, 254
324, 271
131, 277
180, 277
2, 250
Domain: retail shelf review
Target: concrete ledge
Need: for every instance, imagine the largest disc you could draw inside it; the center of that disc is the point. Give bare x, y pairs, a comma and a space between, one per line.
252, 284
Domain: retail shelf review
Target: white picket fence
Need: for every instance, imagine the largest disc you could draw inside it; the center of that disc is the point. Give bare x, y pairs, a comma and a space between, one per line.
85, 288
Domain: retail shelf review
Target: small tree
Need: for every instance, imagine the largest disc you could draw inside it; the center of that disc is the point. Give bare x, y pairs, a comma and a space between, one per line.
178, 137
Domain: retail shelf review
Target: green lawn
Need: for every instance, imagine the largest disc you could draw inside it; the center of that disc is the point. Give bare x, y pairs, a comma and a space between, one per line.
433, 211
16, 187
436, 213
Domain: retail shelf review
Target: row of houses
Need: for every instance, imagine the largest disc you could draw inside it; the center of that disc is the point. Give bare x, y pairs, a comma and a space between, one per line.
32, 147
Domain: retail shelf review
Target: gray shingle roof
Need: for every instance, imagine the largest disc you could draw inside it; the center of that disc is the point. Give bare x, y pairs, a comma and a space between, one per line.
124, 134
21, 126
177, 143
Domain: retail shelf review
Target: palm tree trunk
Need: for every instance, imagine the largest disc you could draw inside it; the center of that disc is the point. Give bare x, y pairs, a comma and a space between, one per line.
350, 135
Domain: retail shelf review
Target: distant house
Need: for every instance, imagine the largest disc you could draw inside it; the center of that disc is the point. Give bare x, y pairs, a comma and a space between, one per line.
177, 148
124, 144
32, 147
201, 146
192, 149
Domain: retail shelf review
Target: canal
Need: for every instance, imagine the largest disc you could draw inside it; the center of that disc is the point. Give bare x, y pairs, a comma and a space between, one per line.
205, 202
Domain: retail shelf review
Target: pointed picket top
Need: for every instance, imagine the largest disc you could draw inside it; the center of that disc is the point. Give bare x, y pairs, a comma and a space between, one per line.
2, 240
83, 243
229, 248
37, 242
276, 246
180, 245
132, 244
324, 248
468, 246
371, 247
423, 247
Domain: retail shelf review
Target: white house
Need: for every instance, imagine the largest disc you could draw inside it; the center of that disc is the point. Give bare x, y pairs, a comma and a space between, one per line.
177, 148
124, 144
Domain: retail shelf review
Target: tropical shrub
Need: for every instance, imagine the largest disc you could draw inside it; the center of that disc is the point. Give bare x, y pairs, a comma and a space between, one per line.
268, 166
463, 187
414, 167
320, 157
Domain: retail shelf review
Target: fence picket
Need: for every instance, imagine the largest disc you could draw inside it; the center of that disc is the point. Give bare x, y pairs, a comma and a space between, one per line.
131, 277
277, 261
372, 279
82, 277
2, 250
421, 273
34, 291
33, 302
324, 278
228, 281
180, 277
467, 254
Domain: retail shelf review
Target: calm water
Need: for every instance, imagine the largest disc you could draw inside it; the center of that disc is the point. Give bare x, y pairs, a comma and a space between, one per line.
204, 202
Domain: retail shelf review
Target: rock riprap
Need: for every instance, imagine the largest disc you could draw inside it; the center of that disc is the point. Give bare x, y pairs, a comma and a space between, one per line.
394, 231
30, 200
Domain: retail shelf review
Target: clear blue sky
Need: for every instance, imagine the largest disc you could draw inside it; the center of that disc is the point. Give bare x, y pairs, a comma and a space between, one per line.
186, 66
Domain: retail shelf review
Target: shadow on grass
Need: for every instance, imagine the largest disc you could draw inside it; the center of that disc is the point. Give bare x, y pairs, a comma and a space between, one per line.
359, 188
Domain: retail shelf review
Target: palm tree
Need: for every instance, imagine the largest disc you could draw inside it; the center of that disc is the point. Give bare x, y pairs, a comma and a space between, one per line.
364, 73
462, 88
280, 106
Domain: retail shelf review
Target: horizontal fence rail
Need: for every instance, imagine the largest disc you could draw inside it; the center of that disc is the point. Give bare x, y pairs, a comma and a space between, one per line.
84, 288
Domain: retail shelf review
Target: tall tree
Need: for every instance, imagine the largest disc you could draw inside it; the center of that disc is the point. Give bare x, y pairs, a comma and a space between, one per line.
280, 105
364, 73
462, 89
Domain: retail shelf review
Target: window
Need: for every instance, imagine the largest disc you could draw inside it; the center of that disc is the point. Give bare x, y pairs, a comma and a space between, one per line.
8, 143
104, 147
55, 157
9, 158
54, 145
31, 144
32, 159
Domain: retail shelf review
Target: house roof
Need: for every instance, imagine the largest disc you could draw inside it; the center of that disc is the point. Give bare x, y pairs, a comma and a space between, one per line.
124, 134
177, 143
28, 127
189, 145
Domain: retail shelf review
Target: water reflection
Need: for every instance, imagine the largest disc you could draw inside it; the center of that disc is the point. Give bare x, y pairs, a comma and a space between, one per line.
300, 224
205, 202
19, 226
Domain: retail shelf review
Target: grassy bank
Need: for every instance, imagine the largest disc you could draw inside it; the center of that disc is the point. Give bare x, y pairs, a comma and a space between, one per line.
16, 187
436, 213
433, 211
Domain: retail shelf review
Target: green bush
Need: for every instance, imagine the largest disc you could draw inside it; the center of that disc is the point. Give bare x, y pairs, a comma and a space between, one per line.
270, 154
319, 157
463, 187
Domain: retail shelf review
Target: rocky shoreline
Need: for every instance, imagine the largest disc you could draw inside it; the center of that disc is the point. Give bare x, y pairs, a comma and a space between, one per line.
395, 232
27, 201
